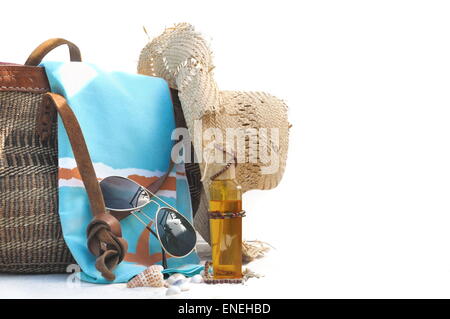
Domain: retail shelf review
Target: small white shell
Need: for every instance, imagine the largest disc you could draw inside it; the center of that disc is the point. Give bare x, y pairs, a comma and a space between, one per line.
180, 282
197, 279
174, 278
173, 290
185, 286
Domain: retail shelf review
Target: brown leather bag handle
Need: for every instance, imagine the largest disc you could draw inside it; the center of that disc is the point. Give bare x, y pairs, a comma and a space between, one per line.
104, 233
44, 48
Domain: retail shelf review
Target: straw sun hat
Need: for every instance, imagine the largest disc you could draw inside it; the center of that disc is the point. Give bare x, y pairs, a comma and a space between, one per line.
181, 56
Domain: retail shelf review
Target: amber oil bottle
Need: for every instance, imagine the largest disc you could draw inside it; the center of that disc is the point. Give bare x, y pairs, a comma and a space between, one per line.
226, 231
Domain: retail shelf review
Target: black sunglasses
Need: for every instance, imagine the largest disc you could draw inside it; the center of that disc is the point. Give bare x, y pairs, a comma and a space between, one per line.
175, 233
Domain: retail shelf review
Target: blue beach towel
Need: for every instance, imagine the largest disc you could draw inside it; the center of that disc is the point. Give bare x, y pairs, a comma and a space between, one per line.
127, 121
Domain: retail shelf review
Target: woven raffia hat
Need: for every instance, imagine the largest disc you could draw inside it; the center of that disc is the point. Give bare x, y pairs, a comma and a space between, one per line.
182, 57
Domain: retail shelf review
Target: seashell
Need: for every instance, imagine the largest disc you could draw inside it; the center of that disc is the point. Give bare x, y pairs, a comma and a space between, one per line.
197, 279
185, 286
173, 290
174, 278
180, 282
150, 277
247, 274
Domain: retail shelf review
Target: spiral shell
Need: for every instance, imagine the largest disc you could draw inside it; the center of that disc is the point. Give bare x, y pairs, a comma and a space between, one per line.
150, 277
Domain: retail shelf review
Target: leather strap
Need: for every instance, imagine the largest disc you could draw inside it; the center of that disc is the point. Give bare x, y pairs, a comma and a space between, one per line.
22, 78
79, 148
155, 186
104, 234
44, 48
192, 167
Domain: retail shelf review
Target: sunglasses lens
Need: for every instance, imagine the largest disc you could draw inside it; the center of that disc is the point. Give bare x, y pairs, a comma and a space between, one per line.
121, 193
176, 233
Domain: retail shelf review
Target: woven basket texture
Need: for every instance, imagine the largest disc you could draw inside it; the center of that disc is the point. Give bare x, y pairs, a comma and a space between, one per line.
31, 239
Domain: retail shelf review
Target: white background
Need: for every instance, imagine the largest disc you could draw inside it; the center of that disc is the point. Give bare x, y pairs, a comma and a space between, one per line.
363, 208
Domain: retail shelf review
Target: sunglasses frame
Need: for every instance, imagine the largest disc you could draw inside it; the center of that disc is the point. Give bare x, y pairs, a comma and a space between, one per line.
133, 211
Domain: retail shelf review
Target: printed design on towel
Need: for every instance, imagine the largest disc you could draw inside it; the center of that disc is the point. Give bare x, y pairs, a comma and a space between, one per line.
69, 176
143, 254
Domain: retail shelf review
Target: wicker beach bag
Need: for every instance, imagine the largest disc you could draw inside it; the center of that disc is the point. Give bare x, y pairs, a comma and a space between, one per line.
31, 239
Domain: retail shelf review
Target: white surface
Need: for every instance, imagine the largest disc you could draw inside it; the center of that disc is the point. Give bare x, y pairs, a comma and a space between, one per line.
363, 209
63, 286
